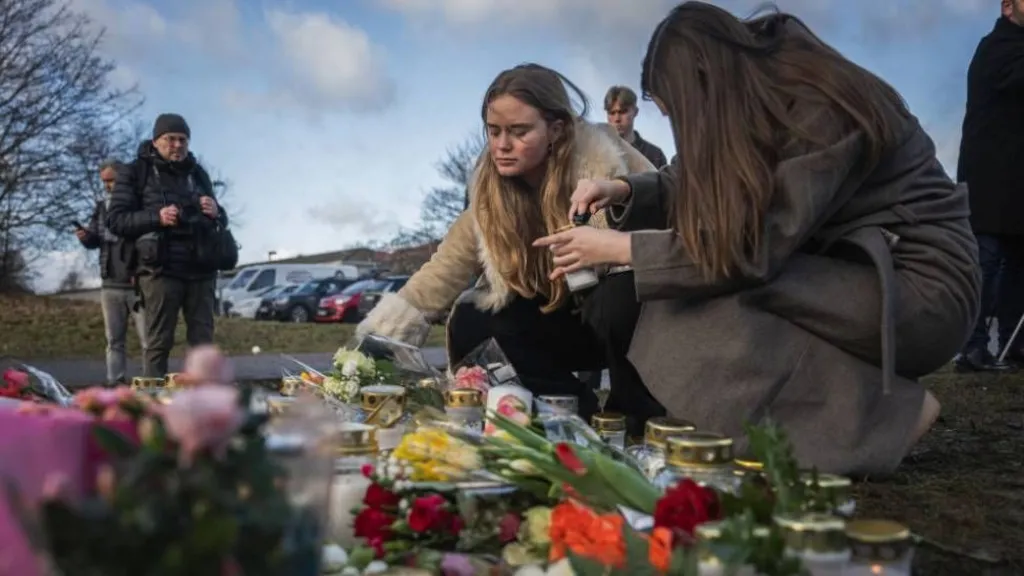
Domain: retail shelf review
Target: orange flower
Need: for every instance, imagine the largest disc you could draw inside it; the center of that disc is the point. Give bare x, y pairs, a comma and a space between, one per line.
578, 529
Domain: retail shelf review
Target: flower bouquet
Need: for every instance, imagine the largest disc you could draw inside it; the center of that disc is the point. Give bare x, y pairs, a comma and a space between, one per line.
192, 487
29, 384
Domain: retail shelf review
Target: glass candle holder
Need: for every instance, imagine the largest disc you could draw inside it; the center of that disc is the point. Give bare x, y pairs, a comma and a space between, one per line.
879, 548
558, 404
611, 427
651, 454
356, 447
818, 540
465, 407
704, 457
831, 493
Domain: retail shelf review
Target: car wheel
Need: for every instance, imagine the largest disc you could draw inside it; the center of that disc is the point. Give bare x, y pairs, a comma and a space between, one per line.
298, 315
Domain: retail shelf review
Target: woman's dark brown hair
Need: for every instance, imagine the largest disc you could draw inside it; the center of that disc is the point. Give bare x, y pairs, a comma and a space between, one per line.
732, 89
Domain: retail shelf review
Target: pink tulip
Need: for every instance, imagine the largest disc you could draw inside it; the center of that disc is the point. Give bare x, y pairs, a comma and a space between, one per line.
207, 365
203, 418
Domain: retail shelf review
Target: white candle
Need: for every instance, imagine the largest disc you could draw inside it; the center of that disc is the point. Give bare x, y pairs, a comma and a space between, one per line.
347, 492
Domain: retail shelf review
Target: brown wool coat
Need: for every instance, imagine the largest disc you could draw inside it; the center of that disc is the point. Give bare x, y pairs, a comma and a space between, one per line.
868, 279
406, 316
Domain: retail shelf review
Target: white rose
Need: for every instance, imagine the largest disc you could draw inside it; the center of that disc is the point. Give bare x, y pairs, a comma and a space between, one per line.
350, 369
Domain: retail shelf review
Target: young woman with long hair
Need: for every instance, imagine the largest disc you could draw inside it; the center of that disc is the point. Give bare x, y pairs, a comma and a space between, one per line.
804, 259
538, 148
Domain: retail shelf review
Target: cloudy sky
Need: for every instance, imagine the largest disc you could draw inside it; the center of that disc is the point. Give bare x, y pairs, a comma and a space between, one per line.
327, 116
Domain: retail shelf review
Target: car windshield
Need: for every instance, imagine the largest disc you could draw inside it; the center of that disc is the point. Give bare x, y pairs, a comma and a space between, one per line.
269, 291
289, 289
242, 280
363, 286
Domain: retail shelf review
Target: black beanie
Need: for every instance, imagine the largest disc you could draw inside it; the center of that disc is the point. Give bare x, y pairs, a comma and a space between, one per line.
170, 124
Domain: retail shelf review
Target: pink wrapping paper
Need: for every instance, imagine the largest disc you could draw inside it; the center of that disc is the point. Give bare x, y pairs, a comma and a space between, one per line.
32, 447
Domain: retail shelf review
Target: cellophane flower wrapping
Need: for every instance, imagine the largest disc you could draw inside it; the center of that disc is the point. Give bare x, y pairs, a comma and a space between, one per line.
39, 385
484, 368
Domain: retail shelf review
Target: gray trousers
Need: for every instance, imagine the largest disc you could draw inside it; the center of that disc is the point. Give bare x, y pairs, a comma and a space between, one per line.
163, 299
118, 312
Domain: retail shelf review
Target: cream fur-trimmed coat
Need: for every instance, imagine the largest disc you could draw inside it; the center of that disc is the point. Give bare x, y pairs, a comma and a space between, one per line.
600, 154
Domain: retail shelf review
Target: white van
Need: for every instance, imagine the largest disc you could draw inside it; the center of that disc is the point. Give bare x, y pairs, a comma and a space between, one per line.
254, 279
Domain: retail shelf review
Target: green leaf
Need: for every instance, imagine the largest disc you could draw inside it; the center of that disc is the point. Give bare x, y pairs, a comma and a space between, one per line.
634, 489
638, 550
113, 442
583, 566
360, 557
685, 562
524, 435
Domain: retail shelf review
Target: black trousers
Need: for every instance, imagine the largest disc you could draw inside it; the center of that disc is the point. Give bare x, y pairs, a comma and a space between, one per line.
163, 299
545, 349
611, 311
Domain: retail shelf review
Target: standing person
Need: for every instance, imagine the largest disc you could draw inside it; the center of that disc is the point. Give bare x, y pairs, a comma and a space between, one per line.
164, 201
538, 146
818, 259
991, 154
117, 271
620, 105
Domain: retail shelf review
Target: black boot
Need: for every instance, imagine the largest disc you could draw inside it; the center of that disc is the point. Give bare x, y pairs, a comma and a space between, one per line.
981, 360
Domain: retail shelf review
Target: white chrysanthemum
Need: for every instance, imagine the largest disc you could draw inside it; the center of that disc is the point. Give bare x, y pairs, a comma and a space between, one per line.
365, 367
345, 390
350, 369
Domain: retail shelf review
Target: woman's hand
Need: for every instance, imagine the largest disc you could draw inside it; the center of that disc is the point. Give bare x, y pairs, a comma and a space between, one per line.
585, 246
592, 195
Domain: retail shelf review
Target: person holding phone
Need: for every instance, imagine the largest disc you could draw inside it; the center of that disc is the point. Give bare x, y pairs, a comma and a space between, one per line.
117, 271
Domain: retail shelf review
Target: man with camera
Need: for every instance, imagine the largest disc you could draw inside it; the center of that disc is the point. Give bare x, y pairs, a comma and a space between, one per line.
164, 202
117, 270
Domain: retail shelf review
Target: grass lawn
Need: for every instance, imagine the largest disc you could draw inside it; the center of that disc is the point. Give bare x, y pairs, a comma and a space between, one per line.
40, 327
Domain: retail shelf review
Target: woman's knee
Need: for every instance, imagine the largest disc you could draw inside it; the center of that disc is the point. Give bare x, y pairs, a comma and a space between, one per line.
930, 410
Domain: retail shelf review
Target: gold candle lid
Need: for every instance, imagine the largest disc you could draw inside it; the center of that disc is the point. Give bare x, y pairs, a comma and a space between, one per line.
427, 383
608, 422
657, 430
356, 439
463, 398
838, 489
371, 397
143, 382
174, 379
698, 449
878, 540
813, 532
710, 531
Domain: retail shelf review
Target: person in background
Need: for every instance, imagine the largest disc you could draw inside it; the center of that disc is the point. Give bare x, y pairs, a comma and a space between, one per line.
118, 297
164, 202
991, 155
621, 106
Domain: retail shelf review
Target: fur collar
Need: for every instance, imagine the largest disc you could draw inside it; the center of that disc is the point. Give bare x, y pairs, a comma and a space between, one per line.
600, 155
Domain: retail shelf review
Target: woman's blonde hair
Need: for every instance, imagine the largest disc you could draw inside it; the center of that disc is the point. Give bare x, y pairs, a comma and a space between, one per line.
510, 215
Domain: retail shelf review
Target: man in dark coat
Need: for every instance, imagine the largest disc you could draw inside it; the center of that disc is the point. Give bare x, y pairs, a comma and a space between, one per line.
991, 156
164, 202
621, 106
117, 271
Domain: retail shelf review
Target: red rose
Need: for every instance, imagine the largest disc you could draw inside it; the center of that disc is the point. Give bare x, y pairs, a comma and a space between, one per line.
567, 457
372, 523
378, 496
428, 513
685, 506
378, 547
16, 379
367, 470
508, 527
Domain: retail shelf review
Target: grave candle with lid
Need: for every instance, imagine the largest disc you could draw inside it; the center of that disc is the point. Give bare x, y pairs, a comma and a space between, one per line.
708, 561
611, 427
465, 406
356, 448
383, 407
879, 548
704, 457
818, 540
651, 454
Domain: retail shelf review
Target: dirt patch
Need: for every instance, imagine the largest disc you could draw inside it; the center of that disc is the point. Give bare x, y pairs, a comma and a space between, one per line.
40, 327
963, 486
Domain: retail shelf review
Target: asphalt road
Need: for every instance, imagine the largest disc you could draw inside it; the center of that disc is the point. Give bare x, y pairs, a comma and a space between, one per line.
82, 373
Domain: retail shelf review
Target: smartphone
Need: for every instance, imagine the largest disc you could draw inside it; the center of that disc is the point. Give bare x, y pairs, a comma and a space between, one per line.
77, 225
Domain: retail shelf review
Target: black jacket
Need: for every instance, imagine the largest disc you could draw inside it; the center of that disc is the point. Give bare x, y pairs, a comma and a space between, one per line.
992, 145
146, 185
650, 151
117, 255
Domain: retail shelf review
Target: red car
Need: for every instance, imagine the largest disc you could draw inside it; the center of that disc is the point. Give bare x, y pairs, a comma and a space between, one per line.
344, 306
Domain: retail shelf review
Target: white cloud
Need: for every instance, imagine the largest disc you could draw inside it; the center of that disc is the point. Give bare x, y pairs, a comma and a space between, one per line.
356, 219
52, 267
334, 62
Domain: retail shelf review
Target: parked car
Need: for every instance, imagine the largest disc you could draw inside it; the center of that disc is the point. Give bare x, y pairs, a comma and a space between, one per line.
370, 297
252, 279
266, 308
344, 306
250, 306
302, 304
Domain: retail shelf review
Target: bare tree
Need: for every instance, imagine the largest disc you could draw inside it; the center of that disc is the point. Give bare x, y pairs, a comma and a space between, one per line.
443, 204
58, 117
15, 275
